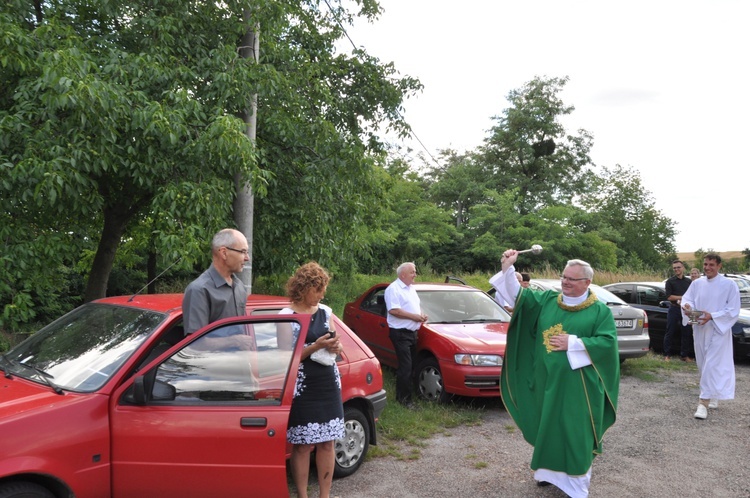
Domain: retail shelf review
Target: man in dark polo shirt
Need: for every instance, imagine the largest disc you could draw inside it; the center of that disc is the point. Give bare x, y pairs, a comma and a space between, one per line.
676, 287
218, 293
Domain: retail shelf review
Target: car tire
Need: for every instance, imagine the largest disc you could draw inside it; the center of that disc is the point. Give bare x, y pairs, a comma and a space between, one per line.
429, 381
24, 490
351, 450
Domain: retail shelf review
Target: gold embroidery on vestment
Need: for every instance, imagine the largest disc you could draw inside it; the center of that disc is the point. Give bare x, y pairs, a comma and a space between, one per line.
549, 333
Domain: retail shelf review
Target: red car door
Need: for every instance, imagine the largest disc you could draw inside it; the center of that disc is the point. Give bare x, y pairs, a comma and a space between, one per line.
209, 418
367, 319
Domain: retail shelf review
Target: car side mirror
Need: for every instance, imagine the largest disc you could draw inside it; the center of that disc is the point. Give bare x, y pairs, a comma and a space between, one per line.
146, 389
163, 391
665, 304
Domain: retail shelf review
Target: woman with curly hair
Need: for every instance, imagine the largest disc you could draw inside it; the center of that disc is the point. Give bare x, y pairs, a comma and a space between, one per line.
316, 419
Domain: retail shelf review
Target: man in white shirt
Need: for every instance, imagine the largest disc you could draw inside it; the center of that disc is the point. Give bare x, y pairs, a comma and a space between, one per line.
404, 319
719, 299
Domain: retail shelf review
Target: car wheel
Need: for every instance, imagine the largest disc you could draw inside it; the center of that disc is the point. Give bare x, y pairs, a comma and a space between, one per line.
430, 381
352, 448
24, 490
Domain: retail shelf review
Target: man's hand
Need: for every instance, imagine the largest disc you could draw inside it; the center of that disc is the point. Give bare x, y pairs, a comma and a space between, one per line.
703, 319
509, 258
416, 317
559, 342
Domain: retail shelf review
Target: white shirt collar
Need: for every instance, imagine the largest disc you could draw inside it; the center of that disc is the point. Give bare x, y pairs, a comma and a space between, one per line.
574, 301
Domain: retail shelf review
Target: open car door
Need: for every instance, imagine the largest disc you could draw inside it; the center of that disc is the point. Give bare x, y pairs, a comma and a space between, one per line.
209, 416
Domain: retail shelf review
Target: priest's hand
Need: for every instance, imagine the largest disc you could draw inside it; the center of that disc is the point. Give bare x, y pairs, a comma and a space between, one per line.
509, 258
559, 342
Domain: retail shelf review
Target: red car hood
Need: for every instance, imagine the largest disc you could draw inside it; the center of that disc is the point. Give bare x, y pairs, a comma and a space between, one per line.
474, 337
20, 397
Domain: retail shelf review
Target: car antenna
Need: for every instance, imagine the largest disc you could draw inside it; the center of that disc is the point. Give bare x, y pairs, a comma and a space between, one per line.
155, 278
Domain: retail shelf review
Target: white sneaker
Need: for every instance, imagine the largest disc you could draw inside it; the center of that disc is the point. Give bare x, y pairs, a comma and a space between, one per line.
701, 412
714, 403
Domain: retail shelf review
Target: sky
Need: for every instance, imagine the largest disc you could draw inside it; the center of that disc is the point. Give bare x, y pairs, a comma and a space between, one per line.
661, 85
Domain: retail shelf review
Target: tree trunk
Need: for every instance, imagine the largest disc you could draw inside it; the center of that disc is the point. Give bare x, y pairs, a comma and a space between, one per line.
115, 221
151, 271
244, 201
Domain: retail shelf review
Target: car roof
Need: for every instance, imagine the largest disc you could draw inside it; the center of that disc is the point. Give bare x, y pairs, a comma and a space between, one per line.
655, 284
173, 302
429, 286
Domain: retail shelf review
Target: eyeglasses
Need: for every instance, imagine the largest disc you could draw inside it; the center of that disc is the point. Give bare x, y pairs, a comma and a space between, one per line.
563, 278
243, 251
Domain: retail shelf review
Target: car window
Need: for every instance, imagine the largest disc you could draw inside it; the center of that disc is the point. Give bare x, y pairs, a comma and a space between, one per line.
233, 363
605, 296
650, 296
375, 303
623, 292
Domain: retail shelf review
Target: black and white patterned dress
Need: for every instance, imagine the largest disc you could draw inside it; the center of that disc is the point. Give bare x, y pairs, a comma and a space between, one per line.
317, 413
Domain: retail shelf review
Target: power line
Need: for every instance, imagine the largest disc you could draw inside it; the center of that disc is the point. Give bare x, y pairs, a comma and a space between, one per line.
354, 46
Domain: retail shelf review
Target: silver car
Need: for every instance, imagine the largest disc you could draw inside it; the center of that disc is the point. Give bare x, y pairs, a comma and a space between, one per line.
632, 323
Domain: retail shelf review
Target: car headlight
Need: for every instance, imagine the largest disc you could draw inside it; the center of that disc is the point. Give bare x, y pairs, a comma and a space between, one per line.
746, 331
479, 360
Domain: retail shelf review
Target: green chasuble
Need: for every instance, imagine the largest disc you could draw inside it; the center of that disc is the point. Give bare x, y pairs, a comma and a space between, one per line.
563, 413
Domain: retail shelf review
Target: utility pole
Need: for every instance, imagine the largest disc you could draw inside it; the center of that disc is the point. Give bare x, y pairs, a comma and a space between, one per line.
244, 199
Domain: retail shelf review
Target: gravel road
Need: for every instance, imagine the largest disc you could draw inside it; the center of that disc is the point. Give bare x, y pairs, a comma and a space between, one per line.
655, 449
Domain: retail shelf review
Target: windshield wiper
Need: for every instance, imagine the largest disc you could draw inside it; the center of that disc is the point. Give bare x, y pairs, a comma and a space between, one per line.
46, 378
5, 361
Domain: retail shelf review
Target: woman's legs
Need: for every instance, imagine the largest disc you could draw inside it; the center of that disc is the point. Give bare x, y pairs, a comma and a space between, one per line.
300, 467
325, 461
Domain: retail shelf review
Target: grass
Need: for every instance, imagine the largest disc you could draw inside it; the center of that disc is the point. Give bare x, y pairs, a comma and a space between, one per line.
402, 433
652, 367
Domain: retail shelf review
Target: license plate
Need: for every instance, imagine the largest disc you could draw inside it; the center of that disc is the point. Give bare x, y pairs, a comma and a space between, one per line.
621, 324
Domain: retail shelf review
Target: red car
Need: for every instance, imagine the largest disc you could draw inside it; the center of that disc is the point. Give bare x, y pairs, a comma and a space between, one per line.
112, 400
459, 349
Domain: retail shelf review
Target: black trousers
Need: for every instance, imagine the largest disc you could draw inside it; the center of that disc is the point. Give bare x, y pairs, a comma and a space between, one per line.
405, 344
676, 328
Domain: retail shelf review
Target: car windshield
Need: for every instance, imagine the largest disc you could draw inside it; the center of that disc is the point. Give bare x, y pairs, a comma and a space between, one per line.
460, 306
81, 350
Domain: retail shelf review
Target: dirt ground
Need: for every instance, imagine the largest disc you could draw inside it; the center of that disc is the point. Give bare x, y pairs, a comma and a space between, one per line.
655, 449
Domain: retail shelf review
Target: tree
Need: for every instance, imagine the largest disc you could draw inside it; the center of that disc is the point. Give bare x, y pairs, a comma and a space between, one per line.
412, 227
319, 118
458, 184
122, 113
623, 205
111, 111
530, 150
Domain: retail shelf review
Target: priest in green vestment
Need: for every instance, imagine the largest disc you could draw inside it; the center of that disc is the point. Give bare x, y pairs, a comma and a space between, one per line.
561, 373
